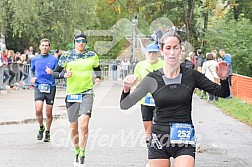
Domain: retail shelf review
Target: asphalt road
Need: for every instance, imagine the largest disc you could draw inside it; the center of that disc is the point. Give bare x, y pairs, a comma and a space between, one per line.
116, 137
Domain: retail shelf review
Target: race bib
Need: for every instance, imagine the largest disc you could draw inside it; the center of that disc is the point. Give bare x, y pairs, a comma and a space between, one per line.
149, 101
74, 98
44, 88
182, 133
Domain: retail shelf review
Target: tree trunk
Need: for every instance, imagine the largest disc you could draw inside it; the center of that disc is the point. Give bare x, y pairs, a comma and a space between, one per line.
188, 7
236, 11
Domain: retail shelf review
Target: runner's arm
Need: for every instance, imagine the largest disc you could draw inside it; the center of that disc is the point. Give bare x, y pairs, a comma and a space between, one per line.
148, 84
58, 72
32, 73
97, 71
32, 70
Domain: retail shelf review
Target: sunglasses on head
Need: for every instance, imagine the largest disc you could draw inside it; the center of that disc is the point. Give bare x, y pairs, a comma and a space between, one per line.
81, 40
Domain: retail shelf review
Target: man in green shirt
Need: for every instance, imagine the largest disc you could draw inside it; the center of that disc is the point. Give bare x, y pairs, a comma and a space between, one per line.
79, 65
152, 63
142, 68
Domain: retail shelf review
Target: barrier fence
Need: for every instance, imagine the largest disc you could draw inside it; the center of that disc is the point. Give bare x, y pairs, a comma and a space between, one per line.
19, 71
22, 69
242, 87
1, 77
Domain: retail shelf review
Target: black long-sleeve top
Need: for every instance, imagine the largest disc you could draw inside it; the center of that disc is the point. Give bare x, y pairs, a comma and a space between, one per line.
173, 97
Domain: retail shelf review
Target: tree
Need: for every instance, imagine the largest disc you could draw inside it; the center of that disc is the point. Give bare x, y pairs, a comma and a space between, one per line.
26, 23
240, 8
179, 12
236, 38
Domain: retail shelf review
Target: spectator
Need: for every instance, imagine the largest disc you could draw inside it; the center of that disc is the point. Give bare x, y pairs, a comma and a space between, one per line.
154, 36
159, 33
199, 60
191, 57
199, 63
4, 65
114, 68
227, 58
209, 69
214, 53
125, 67
56, 53
133, 64
31, 50
9, 57
182, 59
23, 75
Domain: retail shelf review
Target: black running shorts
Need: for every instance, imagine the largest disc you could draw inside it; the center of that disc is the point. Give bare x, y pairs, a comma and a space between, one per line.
48, 97
147, 112
160, 148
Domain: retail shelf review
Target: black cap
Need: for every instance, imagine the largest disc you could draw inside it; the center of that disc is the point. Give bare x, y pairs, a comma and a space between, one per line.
80, 35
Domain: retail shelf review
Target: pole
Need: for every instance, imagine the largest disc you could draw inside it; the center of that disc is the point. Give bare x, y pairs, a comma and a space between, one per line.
134, 24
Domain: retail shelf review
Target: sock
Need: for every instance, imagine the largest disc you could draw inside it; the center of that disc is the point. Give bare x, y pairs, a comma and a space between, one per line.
41, 127
77, 150
82, 153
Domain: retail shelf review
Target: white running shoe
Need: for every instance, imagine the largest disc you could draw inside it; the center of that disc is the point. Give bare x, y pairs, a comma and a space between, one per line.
82, 162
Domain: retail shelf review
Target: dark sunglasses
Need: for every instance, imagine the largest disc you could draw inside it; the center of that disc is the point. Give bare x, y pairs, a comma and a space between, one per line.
81, 40
154, 52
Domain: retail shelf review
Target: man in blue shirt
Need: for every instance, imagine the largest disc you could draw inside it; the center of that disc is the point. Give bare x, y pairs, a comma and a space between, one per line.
227, 58
41, 71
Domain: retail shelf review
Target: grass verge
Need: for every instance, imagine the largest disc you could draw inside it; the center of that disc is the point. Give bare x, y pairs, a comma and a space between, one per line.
235, 108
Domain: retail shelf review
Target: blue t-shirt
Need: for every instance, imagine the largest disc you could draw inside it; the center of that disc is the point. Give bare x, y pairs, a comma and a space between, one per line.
39, 64
228, 60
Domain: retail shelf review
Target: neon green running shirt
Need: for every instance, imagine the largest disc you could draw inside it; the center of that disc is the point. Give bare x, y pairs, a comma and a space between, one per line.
81, 66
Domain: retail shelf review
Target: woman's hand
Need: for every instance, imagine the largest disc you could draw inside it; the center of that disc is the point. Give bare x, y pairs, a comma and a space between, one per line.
128, 82
222, 70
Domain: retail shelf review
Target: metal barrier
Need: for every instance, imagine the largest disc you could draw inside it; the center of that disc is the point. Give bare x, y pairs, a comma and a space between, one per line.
1, 77
17, 70
26, 69
105, 70
15, 67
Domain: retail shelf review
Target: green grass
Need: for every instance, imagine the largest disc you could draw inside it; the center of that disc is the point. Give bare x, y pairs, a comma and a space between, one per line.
235, 108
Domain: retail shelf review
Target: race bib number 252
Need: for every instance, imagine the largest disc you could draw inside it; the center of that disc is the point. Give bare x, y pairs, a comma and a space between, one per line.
182, 133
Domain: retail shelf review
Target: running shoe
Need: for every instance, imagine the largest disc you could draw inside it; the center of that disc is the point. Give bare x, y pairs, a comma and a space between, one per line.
76, 160
40, 133
47, 136
82, 162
